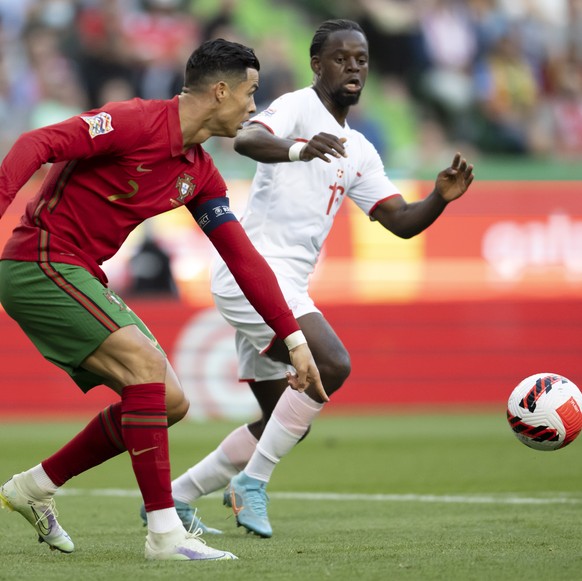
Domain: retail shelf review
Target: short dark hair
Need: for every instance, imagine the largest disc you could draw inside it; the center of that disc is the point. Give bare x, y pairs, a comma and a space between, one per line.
219, 57
329, 27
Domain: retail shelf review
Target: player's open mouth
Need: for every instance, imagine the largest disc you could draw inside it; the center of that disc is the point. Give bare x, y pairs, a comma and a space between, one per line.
353, 86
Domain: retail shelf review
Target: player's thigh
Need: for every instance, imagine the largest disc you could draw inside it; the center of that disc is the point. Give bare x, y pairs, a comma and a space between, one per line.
127, 357
66, 312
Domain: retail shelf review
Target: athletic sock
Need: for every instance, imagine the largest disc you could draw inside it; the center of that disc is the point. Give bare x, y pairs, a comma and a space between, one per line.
39, 486
144, 426
291, 418
163, 521
215, 470
99, 441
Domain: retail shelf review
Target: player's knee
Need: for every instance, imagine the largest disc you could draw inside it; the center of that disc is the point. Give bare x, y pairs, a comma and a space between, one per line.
176, 409
257, 428
334, 373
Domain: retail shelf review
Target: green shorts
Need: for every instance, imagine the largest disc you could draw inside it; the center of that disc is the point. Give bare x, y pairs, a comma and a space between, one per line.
65, 311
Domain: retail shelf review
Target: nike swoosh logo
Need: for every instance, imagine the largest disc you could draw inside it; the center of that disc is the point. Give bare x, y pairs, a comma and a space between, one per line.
45, 529
141, 168
236, 509
135, 452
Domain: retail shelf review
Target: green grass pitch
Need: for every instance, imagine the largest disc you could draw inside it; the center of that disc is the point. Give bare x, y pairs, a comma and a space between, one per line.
411, 497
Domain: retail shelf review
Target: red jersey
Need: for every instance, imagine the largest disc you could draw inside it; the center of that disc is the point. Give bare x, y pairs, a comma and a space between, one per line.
113, 168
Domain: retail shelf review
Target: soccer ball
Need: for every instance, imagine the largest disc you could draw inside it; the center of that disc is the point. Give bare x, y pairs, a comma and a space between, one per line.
544, 411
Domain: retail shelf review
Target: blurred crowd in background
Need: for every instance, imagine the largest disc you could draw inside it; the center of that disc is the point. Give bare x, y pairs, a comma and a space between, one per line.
498, 76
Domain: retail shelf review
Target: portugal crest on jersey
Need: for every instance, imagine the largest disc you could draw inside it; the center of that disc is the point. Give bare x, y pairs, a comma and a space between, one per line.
185, 189
99, 124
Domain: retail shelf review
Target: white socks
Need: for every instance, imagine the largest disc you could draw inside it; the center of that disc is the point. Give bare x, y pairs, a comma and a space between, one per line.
163, 520
215, 471
291, 418
46, 487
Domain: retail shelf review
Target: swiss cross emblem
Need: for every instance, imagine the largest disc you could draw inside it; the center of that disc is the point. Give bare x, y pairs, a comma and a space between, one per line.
185, 189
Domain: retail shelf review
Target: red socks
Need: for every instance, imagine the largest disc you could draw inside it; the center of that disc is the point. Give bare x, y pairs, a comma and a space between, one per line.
99, 441
144, 426
138, 424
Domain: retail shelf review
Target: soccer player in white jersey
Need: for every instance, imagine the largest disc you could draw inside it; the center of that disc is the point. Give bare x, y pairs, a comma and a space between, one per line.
309, 162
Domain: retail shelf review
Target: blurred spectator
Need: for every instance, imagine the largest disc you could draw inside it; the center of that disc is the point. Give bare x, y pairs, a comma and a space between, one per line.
507, 97
446, 57
565, 110
277, 74
394, 36
488, 22
150, 270
161, 38
104, 52
451, 48
573, 30
13, 16
53, 89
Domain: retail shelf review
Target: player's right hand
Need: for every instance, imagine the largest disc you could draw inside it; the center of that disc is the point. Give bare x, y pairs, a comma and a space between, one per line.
323, 145
307, 373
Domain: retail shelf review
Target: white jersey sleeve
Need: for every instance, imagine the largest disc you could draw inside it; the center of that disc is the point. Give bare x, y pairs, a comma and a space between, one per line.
282, 116
372, 185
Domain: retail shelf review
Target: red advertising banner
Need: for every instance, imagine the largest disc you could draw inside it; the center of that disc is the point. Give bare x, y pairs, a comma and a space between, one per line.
425, 355
489, 294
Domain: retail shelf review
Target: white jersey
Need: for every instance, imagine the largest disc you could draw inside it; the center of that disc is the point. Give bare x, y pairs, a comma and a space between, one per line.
292, 205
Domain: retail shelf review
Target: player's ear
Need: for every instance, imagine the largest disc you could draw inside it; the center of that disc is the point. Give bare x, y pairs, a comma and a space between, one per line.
221, 91
316, 65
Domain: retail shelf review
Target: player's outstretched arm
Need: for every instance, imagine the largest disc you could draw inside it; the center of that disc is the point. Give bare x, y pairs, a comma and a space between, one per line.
407, 220
258, 143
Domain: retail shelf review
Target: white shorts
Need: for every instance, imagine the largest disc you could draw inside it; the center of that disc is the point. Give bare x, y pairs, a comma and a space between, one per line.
254, 337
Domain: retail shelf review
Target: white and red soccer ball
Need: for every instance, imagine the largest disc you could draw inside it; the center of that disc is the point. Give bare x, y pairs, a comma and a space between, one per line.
545, 411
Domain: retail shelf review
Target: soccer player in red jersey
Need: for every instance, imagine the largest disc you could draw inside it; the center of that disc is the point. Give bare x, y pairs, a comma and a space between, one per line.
112, 168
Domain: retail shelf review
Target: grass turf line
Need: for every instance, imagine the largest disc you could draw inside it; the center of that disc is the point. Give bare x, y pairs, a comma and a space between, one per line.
454, 455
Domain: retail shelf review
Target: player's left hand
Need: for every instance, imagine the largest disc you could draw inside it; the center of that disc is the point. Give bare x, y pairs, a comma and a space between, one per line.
307, 373
454, 181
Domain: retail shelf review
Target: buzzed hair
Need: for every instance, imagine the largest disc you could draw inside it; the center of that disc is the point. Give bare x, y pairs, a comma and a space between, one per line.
329, 27
219, 58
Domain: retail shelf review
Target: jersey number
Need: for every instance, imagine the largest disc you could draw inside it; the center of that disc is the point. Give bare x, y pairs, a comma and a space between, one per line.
336, 193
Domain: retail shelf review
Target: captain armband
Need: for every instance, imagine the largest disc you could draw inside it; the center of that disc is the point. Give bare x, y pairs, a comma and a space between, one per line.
213, 213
